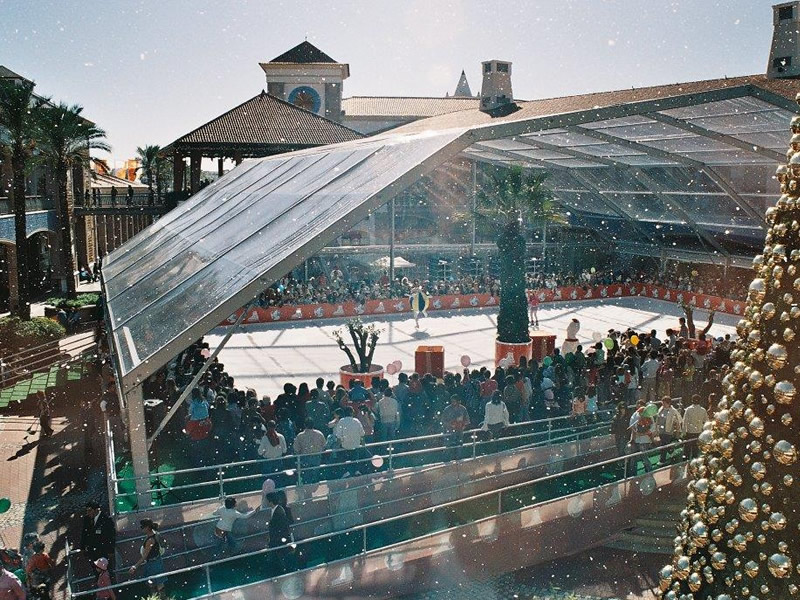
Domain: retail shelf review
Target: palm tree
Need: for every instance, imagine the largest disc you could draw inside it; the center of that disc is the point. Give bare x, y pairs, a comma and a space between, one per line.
18, 109
65, 138
151, 165
510, 195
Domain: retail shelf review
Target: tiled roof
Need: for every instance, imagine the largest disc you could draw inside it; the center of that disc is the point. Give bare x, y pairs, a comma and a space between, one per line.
554, 106
6, 73
404, 106
303, 53
267, 120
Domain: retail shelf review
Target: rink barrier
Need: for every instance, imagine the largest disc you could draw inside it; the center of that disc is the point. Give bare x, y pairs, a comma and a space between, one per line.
308, 312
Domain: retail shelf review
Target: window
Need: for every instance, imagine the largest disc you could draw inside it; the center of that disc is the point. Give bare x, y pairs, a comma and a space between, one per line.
502, 67
785, 12
487, 68
781, 62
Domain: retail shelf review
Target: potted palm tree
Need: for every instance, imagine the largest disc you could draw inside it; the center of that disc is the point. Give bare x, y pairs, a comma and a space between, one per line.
512, 196
65, 137
364, 338
151, 167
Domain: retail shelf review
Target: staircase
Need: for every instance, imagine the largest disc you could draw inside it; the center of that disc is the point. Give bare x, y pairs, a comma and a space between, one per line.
653, 533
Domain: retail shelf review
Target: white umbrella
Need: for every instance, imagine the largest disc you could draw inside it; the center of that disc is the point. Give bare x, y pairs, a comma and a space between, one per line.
399, 263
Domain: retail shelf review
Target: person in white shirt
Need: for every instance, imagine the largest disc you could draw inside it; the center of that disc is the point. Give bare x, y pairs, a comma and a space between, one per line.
495, 416
348, 430
223, 531
388, 411
649, 374
272, 444
668, 423
694, 417
309, 444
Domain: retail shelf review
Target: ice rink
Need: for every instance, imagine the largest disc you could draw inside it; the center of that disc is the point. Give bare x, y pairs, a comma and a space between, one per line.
264, 357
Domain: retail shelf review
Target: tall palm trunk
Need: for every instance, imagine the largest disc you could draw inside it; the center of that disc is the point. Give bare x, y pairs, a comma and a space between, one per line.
23, 308
512, 319
66, 228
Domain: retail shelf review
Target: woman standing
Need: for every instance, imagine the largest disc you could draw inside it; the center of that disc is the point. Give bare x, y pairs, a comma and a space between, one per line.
495, 416
151, 552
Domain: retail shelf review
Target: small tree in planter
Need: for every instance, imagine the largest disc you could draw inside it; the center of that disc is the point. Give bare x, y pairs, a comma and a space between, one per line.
365, 338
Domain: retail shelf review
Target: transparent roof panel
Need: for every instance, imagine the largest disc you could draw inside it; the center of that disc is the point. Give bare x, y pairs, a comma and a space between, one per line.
192, 269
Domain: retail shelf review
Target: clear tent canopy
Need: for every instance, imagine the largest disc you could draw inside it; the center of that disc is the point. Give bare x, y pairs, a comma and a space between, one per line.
683, 164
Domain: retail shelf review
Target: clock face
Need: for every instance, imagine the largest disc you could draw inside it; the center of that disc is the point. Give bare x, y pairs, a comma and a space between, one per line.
306, 98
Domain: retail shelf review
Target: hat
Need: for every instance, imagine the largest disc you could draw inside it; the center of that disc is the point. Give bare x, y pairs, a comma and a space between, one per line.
101, 563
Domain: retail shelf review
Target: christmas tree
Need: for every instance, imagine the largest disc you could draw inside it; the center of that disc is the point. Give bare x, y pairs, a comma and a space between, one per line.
738, 535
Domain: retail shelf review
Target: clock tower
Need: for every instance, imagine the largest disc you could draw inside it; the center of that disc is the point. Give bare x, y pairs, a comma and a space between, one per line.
307, 77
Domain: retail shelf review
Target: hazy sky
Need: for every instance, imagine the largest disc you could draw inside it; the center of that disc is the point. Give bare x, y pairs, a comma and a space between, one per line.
148, 71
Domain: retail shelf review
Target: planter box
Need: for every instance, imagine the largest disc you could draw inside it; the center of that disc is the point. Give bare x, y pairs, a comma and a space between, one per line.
544, 344
86, 313
346, 375
429, 359
513, 351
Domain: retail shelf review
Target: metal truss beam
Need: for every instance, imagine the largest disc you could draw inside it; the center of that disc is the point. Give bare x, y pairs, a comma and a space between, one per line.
716, 136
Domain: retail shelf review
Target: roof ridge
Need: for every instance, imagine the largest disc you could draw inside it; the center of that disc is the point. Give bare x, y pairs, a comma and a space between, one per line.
313, 114
419, 97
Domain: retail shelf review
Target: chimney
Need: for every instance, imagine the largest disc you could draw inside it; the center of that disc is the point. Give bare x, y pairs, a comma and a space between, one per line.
496, 94
784, 57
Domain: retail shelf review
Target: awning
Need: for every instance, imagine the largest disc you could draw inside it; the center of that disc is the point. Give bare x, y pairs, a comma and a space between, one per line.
399, 263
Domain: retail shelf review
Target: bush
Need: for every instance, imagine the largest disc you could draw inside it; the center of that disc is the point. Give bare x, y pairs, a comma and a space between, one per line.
17, 335
80, 300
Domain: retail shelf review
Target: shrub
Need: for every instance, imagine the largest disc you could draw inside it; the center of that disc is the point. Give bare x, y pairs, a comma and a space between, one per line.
16, 334
89, 299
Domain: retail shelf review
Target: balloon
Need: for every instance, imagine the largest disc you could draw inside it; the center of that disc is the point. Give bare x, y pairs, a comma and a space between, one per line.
608, 343
548, 360
391, 369
5, 504
597, 336
398, 365
466, 361
635, 339
592, 270
650, 410
377, 461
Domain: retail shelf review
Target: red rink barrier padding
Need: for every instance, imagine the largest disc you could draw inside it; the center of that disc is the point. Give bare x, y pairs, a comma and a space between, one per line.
308, 312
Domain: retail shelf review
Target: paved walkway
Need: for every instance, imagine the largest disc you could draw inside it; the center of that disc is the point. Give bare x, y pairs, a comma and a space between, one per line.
48, 480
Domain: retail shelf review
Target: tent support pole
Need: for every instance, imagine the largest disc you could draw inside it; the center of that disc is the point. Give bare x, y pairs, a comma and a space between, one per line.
188, 389
391, 244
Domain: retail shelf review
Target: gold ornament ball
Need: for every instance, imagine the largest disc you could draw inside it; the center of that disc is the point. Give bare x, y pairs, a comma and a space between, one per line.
777, 356
784, 452
785, 391
748, 510
780, 565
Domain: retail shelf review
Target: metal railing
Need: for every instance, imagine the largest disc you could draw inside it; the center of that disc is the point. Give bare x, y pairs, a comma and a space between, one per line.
184, 529
300, 468
32, 204
24, 364
503, 500
121, 200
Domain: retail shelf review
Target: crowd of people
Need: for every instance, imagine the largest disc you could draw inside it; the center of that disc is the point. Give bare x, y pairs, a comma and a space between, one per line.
325, 421
338, 287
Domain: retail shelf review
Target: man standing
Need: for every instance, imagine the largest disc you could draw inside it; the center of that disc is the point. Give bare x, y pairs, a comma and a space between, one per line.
308, 444
455, 419
694, 417
98, 535
668, 424
348, 430
388, 410
649, 373
279, 530
318, 408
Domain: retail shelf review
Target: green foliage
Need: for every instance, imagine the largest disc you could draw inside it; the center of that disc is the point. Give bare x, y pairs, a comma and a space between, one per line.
80, 300
17, 334
509, 195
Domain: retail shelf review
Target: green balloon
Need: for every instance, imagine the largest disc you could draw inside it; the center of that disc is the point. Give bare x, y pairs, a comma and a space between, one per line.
5, 504
608, 343
547, 361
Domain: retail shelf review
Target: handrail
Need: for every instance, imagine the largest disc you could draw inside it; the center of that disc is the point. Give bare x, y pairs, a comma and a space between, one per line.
369, 446
205, 522
220, 480
18, 366
362, 527
564, 438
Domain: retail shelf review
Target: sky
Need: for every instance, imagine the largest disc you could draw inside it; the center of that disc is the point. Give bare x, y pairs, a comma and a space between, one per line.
149, 71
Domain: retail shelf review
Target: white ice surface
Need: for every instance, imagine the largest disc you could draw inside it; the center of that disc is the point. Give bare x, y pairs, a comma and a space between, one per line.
264, 357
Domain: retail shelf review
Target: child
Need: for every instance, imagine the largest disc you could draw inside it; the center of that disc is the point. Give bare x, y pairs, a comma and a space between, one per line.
103, 580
